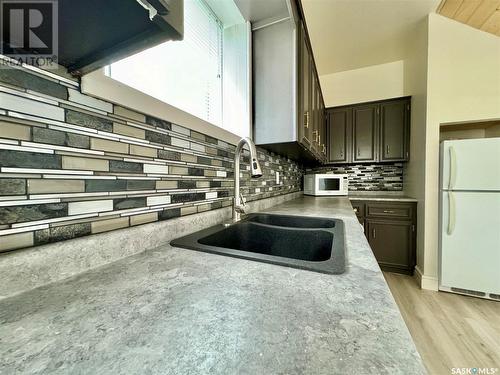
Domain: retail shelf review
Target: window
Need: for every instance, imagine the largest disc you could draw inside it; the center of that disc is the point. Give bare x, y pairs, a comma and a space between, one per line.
186, 74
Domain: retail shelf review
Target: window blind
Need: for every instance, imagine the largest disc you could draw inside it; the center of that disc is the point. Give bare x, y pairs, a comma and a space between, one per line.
186, 74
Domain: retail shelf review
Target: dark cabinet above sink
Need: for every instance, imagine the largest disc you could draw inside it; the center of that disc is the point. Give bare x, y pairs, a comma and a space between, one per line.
95, 33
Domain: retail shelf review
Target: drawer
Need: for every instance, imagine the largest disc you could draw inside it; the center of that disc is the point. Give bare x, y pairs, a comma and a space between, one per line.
359, 208
390, 210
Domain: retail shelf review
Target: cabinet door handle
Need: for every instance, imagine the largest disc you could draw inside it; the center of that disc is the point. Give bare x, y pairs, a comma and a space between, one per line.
306, 119
359, 152
374, 234
342, 153
356, 209
387, 150
388, 211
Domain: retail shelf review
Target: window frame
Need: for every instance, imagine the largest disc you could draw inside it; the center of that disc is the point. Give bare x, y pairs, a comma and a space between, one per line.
99, 85
198, 90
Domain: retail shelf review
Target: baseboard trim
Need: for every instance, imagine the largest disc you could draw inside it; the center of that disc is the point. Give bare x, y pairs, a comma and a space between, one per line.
425, 282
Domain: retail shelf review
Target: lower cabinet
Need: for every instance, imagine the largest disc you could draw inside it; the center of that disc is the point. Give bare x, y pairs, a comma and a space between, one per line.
390, 230
392, 244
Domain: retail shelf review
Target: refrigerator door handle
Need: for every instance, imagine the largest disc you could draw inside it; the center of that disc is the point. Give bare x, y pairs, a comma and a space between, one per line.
451, 213
453, 168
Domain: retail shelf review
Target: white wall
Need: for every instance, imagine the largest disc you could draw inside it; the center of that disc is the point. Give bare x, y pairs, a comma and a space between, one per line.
363, 85
415, 82
463, 85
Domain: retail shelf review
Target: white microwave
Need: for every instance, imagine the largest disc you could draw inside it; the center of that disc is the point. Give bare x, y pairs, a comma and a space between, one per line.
326, 184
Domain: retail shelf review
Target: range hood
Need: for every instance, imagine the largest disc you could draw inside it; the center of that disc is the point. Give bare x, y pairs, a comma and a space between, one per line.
95, 33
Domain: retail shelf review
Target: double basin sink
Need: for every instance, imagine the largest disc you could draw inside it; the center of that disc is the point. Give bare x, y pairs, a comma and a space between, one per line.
310, 243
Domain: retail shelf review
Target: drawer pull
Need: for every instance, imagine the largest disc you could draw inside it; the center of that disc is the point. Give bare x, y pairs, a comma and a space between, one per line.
374, 235
388, 211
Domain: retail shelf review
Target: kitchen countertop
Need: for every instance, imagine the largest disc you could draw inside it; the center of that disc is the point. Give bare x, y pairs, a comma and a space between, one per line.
381, 197
177, 311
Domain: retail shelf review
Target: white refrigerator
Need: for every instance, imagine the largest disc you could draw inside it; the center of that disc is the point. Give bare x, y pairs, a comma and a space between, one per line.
469, 254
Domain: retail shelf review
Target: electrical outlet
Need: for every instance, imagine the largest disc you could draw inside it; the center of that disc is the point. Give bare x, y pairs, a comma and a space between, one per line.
277, 178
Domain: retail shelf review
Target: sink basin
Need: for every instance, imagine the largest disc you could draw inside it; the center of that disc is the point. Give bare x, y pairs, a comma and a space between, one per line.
310, 243
313, 245
291, 221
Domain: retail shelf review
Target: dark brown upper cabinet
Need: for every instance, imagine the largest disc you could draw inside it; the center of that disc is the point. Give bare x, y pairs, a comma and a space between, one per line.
288, 106
314, 119
318, 145
339, 125
305, 128
394, 130
369, 132
364, 127
322, 129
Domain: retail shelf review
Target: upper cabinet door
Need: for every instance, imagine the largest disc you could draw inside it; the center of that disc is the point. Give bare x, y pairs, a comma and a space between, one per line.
318, 120
314, 116
339, 135
394, 130
324, 139
304, 122
365, 133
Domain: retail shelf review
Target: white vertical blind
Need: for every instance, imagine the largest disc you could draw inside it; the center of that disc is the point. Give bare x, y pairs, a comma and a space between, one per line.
236, 110
186, 74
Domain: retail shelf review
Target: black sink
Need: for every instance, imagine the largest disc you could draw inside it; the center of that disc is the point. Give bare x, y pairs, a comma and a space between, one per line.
310, 243
291, 221
313, 245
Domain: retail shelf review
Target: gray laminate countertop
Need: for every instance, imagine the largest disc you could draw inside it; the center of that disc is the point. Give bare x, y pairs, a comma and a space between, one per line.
176, 311
381, 198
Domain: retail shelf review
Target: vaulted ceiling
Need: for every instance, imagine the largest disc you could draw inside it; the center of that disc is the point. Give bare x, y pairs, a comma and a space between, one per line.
351, 34
481, 14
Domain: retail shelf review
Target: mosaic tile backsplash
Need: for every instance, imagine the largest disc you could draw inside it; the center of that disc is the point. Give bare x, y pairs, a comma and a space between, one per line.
363, 177
73, 165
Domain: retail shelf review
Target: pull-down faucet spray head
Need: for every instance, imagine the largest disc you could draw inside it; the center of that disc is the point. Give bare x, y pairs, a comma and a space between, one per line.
255, 172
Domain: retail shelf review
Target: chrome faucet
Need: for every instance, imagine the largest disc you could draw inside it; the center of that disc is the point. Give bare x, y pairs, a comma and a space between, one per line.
239, 206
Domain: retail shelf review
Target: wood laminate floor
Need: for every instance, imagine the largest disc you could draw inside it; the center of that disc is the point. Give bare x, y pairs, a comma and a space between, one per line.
449, 330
